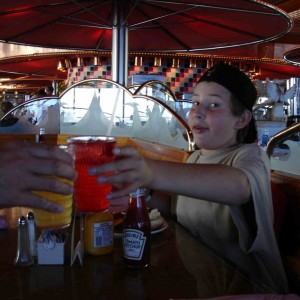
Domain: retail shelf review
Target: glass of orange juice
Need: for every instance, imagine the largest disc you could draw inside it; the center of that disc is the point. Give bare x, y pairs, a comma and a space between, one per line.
88, 151
45, 219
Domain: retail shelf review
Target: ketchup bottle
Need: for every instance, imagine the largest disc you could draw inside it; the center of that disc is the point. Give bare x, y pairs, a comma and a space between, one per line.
137, 232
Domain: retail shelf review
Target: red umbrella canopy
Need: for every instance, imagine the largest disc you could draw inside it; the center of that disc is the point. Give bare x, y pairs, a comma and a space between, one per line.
293, 56
153, 25
43, 64
32, 71
277, 70
29, 82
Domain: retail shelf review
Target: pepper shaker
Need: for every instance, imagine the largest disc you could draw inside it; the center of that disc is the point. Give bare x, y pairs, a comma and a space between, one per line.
23, 257
32, 234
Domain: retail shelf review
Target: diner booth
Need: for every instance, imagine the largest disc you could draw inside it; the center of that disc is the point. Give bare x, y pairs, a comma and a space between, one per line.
147, 117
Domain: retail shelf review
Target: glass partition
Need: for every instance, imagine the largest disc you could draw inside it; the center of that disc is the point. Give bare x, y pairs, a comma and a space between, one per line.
160, 91
157, 90
103, 107
30, 116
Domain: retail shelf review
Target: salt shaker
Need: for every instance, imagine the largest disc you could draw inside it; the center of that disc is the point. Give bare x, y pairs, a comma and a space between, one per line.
40, 138
32, 233
23, 257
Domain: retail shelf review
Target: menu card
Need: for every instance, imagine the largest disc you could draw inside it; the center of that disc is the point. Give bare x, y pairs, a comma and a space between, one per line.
78, 250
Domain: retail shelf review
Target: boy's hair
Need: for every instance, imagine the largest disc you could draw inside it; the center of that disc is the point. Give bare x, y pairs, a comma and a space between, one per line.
243, 92
245, 134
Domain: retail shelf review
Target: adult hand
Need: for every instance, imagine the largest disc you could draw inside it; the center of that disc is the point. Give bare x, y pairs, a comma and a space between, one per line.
25, 167
128, 172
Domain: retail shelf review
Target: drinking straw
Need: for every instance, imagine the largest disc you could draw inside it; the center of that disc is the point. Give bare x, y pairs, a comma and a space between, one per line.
111, 122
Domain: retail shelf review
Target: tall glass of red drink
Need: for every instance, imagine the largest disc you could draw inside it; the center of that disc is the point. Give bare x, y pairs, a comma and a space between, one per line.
88, 151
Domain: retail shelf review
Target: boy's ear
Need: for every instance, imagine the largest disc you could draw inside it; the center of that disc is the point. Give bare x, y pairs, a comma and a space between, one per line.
244, 119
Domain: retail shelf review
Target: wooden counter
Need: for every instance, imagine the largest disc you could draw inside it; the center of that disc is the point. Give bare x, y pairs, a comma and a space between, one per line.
180, 268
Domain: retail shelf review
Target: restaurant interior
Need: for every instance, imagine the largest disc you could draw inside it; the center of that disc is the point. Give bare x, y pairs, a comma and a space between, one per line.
117, 75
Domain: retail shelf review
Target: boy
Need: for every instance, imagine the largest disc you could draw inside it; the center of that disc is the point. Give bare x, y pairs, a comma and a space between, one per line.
230, 174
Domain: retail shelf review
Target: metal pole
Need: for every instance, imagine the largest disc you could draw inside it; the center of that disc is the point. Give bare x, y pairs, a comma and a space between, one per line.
55, 87
119, 43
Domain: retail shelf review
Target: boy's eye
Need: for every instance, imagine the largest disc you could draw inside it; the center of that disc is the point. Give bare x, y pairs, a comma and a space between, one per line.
196, 103
213, 105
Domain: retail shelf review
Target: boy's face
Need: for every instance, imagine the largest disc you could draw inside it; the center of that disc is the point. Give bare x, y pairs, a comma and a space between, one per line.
211, 121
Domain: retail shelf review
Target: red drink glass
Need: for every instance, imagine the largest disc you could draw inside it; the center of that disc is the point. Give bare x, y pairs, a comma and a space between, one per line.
89, 151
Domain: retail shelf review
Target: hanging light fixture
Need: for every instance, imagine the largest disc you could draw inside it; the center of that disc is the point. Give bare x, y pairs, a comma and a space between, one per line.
97, 61
157, 61
242, 66
175, 63
61, 66
193, 63
68, 64
79, 62
209, 63
138, 61
257, 70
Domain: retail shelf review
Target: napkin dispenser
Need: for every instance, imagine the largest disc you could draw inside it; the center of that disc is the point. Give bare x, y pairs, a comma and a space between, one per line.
51, 248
